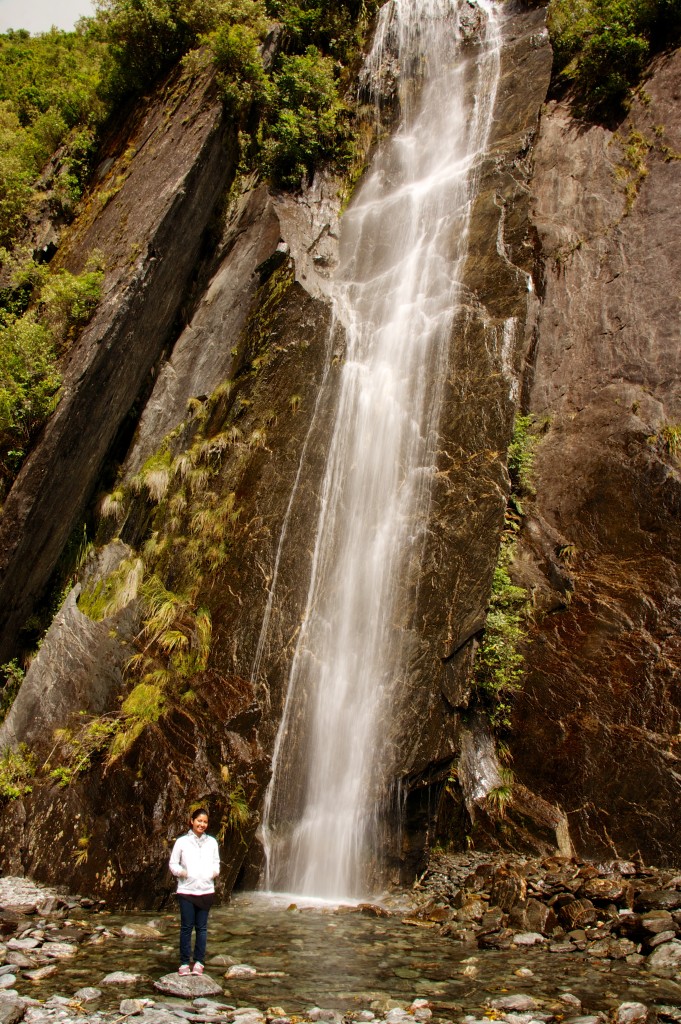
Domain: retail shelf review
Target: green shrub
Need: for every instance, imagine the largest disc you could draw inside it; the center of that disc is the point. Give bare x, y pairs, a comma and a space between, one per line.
499, 660
309, 121
29, 382
145, 38
29, 346
602, 47
47, 99
521, 453
78, 748
16, 768
13, 676
241, 74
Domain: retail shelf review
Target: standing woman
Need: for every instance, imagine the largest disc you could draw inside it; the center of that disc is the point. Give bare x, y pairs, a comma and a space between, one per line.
195, 862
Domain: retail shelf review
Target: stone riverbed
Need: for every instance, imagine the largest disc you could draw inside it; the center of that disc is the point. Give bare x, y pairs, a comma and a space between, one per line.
476, 939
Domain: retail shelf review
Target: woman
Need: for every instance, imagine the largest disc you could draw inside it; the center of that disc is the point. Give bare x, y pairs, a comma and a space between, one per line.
195, 861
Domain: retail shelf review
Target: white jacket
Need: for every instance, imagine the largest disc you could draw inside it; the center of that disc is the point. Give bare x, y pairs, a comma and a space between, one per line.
195, 861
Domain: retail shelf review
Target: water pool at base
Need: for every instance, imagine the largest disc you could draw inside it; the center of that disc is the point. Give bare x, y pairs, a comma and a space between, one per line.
340, 959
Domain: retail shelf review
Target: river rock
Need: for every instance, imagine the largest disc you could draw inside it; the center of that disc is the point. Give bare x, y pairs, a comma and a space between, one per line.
141, 931
595, 1018
657, 921
9, 922
19, 959
241, 971
12, 1008
496, 940
222, 960
508, 888
420, 1010
658, 899
58, 950
248, 1015
188, 987
610, 889
121, 978
23, 944
577, 914
89, 994
661, 938
128, 1007
666, 959
528, 939
7, 980
631, 1013
516, 1002
40, 973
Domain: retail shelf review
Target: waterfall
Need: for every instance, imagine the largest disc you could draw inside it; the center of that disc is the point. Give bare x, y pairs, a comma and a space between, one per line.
402, 248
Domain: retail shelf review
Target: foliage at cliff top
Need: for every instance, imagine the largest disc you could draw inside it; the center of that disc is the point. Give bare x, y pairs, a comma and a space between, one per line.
48, 97
57, 92
287, 105
602, 48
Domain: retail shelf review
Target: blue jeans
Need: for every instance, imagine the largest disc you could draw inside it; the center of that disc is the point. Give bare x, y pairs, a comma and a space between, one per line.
191, 918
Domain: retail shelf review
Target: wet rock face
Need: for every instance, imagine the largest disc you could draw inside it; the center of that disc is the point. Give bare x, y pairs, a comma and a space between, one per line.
471, 485
126, 815
267, 326
597, 725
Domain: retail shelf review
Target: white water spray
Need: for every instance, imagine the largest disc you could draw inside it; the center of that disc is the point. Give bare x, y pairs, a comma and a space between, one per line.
402, 248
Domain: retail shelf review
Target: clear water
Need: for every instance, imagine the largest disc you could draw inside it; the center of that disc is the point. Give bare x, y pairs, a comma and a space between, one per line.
349, 961
403, 243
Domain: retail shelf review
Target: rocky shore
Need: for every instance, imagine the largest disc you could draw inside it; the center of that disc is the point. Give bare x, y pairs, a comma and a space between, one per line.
615, 911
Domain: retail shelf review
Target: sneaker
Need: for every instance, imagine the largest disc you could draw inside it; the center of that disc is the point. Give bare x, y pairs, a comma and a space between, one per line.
198, 968
184, 970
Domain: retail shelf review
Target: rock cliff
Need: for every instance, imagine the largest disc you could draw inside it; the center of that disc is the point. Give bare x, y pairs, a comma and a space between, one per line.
225, 361
596, 728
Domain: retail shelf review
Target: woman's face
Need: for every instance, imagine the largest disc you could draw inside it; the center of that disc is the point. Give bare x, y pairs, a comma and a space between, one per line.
200, 824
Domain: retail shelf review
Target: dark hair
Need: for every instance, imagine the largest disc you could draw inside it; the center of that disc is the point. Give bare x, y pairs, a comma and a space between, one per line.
199, 810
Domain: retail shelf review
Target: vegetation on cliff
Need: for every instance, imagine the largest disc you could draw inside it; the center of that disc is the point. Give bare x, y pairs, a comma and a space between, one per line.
602, 48
499, 660
30, 345
281, 67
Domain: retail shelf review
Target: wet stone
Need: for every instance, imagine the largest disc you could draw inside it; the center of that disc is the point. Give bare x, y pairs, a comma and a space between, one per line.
19, 959
518, 1001
528, 939
222, 960
58, 950
141, 931
631, 1013
250, 1017
12, 1008
661, 938
666, 959
188, 987
40, 973
241, 971
88, 994
23, 944
658, 899
122, 978
132, 1006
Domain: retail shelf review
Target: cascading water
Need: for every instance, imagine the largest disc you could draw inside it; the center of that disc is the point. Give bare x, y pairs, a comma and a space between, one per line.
402, 247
